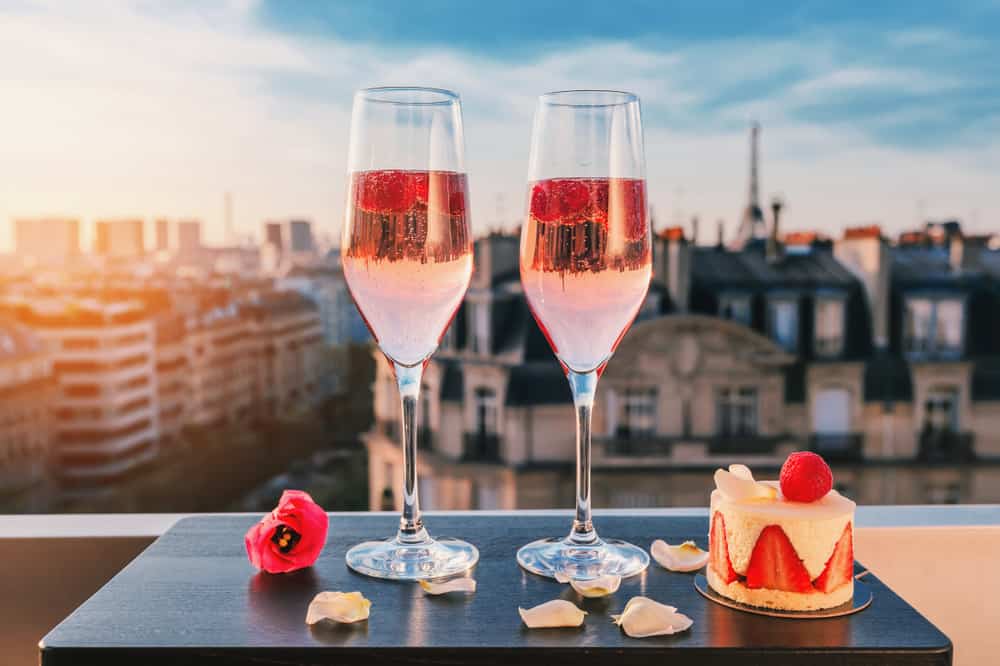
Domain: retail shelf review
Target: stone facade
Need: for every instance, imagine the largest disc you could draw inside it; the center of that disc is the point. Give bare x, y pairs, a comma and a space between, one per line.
699, 383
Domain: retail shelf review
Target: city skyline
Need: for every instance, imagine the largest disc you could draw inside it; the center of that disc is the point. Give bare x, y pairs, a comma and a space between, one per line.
133, 111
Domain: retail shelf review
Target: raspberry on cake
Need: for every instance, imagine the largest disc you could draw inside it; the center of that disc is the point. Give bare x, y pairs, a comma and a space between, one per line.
769, 550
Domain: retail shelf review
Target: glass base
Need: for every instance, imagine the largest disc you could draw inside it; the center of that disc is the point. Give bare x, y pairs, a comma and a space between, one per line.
418, 559
546, 557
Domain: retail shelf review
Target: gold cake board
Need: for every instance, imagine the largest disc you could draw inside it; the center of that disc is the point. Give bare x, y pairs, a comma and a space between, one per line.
862, 599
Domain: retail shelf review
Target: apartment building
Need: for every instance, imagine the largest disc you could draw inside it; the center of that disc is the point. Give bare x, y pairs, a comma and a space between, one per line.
26, 390
884, 358
222, 357
47, 241
106, 401
290, 352
119, 238
327, 289
173, 379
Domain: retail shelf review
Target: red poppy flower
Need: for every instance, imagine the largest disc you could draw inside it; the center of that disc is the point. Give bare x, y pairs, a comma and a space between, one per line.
290, 537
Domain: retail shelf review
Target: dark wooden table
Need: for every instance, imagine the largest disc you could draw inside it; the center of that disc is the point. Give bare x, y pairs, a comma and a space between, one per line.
192, 598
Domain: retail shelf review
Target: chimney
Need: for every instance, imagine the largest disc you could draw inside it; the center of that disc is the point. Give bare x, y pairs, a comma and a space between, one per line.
720, 235
496, 254
694, 231
865, 252
772, 250
676, 266
956, 251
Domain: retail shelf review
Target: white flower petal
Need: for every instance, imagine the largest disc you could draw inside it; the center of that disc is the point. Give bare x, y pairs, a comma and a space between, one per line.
741, 471
685, 557
643, 617
740, 485
555, 613
464, 584
597, 587
344, 607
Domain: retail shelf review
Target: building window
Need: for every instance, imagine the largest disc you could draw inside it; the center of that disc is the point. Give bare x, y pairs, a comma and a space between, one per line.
829, 320
638, 412
934, 326
783, 323
735, 307
941, 410
486, 411
832, 411
943, 493
448, 337
485, 496
479, 322
736, 411
82, 391
77, 344
425, 406
427, 487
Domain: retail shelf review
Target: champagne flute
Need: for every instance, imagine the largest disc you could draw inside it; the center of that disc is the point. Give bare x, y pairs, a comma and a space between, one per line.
585, 267
407, 257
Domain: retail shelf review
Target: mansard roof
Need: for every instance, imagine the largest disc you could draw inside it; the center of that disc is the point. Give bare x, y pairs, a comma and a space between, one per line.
538, 383
721, 268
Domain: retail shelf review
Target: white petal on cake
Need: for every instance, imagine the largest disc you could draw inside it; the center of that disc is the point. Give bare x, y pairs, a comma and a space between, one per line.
738, 486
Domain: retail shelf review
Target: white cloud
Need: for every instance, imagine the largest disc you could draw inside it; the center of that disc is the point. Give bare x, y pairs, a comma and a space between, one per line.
112, 111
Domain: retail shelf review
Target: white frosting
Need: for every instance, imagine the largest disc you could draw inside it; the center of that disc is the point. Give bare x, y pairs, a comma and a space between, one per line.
814, 528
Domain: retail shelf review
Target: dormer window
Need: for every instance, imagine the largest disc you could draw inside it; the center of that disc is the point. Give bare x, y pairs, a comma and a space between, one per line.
934, 326
783, 322
479, 325
448, 338
829, 325
735, 307
486, 411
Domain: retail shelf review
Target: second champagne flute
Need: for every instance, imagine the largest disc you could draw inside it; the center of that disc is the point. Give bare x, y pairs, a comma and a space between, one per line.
585, 267
407, 256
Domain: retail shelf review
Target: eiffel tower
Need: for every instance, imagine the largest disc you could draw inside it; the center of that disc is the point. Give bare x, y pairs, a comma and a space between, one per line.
752, 224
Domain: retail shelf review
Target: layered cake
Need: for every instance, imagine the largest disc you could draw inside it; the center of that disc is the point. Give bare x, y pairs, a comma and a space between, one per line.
786, 545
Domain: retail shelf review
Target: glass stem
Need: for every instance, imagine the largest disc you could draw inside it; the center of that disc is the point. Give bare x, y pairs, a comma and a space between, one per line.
411, 527
583, 386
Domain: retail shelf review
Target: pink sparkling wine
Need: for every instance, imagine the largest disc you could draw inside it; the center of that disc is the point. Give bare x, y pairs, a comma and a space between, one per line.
586, 264
407, 256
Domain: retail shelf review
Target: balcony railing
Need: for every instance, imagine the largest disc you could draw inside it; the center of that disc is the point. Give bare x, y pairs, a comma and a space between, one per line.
639, 445
838, 447
654, 445
426, 438
946, 446
743, 444
481, 447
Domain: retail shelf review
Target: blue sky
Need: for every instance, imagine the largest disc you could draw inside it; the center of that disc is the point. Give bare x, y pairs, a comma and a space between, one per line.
941, 59
883, 112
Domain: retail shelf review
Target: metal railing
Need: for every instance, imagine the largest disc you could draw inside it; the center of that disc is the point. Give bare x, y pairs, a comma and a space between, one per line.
426, 437
838, 447
946, 446
481, 447
639, 445
651, 445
